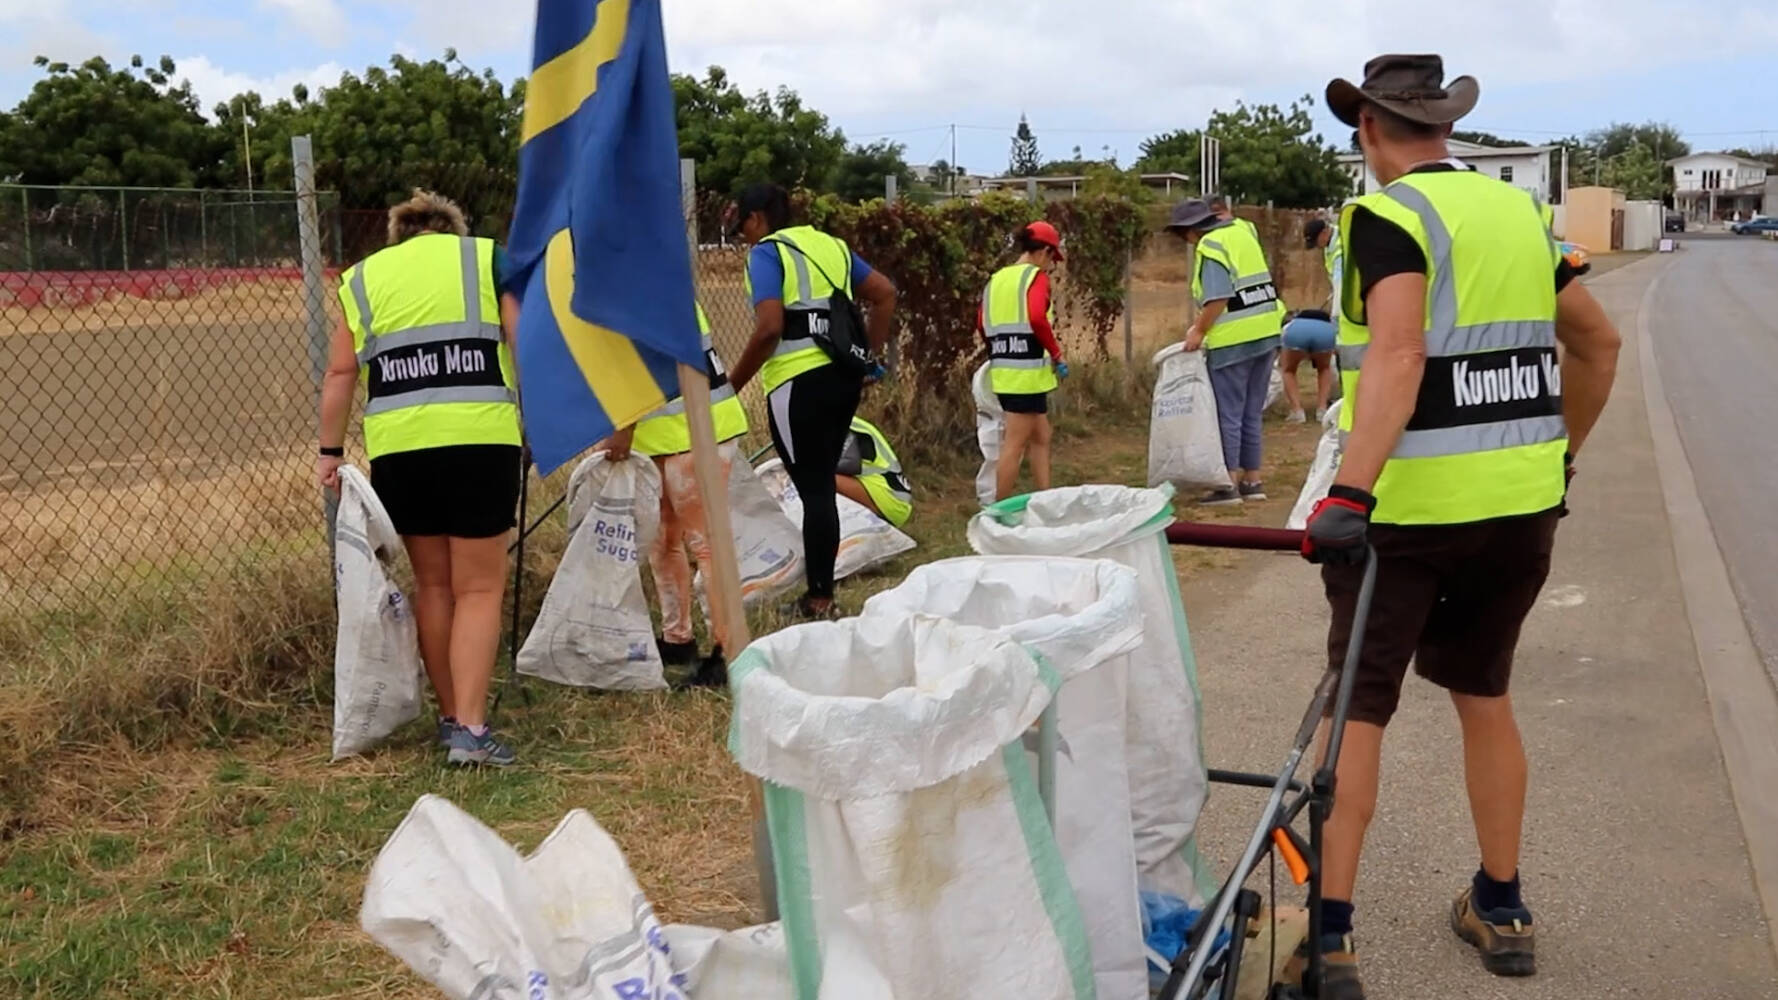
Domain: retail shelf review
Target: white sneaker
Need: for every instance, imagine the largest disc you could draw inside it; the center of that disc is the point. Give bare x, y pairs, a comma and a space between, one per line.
1321, 415
1295, 417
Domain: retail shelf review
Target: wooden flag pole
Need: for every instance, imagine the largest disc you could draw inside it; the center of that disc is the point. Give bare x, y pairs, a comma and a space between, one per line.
725, 590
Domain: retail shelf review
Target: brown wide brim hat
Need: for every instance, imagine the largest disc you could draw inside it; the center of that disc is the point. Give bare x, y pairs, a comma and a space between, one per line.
1408, 85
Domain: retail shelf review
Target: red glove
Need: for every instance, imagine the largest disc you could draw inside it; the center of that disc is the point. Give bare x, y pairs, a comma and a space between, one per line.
1338, 526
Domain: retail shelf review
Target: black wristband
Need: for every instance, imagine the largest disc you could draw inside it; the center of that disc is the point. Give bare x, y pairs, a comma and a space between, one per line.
1354, 495
327, 452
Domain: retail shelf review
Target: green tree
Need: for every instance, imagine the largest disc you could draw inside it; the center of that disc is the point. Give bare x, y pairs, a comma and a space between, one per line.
1268, 154
1174, 152
1589, 156
740, 139
1483, 138
1636, 173
859, 176
95, 124
1026, 160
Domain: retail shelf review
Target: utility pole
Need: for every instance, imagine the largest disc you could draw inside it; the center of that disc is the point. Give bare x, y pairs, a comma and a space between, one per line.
247, 146
953, 173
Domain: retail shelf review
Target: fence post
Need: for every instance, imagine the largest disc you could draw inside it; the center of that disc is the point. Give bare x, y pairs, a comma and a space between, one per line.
25, 204
308, 235
889, 188
1129, 307
1031, 189
123, 228
203, 232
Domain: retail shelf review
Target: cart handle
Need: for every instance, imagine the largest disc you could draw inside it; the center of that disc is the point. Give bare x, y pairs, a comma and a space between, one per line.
1234, 536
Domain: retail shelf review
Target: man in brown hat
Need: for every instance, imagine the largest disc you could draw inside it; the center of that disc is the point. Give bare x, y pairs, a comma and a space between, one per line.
1461, 425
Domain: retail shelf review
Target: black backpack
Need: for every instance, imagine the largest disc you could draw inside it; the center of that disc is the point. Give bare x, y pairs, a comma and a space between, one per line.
844, 339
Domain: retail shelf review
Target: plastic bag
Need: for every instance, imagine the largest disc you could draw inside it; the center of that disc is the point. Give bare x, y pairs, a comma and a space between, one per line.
1321, 471
593, 629
768, 545
376, 655
990, 430
458, 904
912, 851
1085, 618
1275, 388
1184, 442
1168, 782
866, 540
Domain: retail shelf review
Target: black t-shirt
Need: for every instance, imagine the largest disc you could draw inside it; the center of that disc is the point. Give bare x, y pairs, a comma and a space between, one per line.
1381, 248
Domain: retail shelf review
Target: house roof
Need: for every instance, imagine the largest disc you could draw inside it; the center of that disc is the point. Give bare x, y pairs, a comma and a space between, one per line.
1689, 157
1471, 151
1053, 180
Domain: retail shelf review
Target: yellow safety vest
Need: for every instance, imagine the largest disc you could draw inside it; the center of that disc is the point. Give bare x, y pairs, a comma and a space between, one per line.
1487, 436
810, 258
879, 471
425, 321
665, 432
1017, 362
1255, 312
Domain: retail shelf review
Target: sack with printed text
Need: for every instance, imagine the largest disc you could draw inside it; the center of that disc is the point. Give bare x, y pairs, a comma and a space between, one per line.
1184, 442
593, 629
990, 430
768, 546
376, 657
866, 540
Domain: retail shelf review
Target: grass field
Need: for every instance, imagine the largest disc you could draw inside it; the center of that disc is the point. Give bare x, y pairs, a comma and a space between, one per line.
226, 858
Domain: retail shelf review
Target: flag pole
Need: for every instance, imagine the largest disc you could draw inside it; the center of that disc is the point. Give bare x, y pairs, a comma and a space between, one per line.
725, 589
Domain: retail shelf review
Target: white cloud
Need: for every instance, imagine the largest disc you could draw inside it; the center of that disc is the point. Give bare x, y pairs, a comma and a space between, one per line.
322, 20
213, 84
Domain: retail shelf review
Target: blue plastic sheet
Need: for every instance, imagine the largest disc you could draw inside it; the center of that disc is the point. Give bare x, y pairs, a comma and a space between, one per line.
1166, 922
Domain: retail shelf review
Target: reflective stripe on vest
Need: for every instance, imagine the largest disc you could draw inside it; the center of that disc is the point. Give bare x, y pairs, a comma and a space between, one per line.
665, 431
424, 322
1017, 362
806, 299
880, 472
1487, 435
1255, 311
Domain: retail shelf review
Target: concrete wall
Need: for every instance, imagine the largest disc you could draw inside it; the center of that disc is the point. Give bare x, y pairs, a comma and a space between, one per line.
1588, 219
1642, 224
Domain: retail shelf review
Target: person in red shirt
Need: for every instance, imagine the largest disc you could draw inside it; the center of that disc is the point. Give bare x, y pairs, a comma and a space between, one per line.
1025, 359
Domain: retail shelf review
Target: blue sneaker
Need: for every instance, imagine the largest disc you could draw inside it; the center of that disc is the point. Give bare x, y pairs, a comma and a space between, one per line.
468, 748
446, 726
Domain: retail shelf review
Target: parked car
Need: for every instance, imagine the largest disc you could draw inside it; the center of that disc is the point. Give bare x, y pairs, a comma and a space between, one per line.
1756, 225
1675, 222
1577, 257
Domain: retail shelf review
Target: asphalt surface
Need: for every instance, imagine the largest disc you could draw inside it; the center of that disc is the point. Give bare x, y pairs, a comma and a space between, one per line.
1634, 860
1714, 317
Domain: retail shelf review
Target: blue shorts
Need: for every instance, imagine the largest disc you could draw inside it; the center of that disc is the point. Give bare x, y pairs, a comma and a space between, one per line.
1315, 336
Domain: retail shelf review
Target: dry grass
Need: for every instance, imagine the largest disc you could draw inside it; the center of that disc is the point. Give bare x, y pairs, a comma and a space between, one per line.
274, 299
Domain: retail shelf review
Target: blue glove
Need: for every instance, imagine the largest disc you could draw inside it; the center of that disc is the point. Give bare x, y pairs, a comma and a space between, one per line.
877, 372
1061, 369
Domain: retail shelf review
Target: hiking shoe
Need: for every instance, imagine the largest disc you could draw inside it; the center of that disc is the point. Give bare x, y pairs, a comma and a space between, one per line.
1222, 496
711, 673
677, 654
1252, 491
1295, 417
1339, 968
1321, 415
468, 748
1503, 936
446, 726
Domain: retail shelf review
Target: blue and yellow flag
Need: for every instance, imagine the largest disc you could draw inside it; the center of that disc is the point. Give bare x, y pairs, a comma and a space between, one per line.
598, 241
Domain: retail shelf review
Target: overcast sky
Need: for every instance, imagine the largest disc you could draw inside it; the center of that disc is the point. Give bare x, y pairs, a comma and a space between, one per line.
1101, 73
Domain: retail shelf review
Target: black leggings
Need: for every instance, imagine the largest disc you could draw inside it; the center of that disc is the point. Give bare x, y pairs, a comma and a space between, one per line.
811, 416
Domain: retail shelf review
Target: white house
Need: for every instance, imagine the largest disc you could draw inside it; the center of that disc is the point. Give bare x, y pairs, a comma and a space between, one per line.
1717, 185
1528, 167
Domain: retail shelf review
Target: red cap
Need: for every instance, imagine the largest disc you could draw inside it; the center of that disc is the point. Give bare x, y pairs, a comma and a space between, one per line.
1046, 234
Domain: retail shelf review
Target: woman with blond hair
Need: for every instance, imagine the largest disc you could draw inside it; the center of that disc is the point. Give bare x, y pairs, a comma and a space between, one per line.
429, 328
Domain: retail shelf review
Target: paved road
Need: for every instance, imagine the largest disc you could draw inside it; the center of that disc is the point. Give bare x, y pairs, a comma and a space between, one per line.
1634, 859
1714, 320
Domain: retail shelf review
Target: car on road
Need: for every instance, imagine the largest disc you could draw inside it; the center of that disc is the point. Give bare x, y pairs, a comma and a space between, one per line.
1675, 222
1755, 226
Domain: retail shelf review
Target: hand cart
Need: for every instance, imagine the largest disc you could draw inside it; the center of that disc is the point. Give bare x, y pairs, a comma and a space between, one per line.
1202, 970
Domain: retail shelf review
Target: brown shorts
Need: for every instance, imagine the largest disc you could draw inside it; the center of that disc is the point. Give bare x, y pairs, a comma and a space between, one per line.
1452, 598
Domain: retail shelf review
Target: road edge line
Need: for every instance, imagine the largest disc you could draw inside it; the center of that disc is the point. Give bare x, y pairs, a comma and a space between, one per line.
1743, 702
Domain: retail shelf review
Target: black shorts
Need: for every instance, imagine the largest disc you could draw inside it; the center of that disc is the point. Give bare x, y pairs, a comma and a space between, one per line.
463, 491
1451, 598
1024, 402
